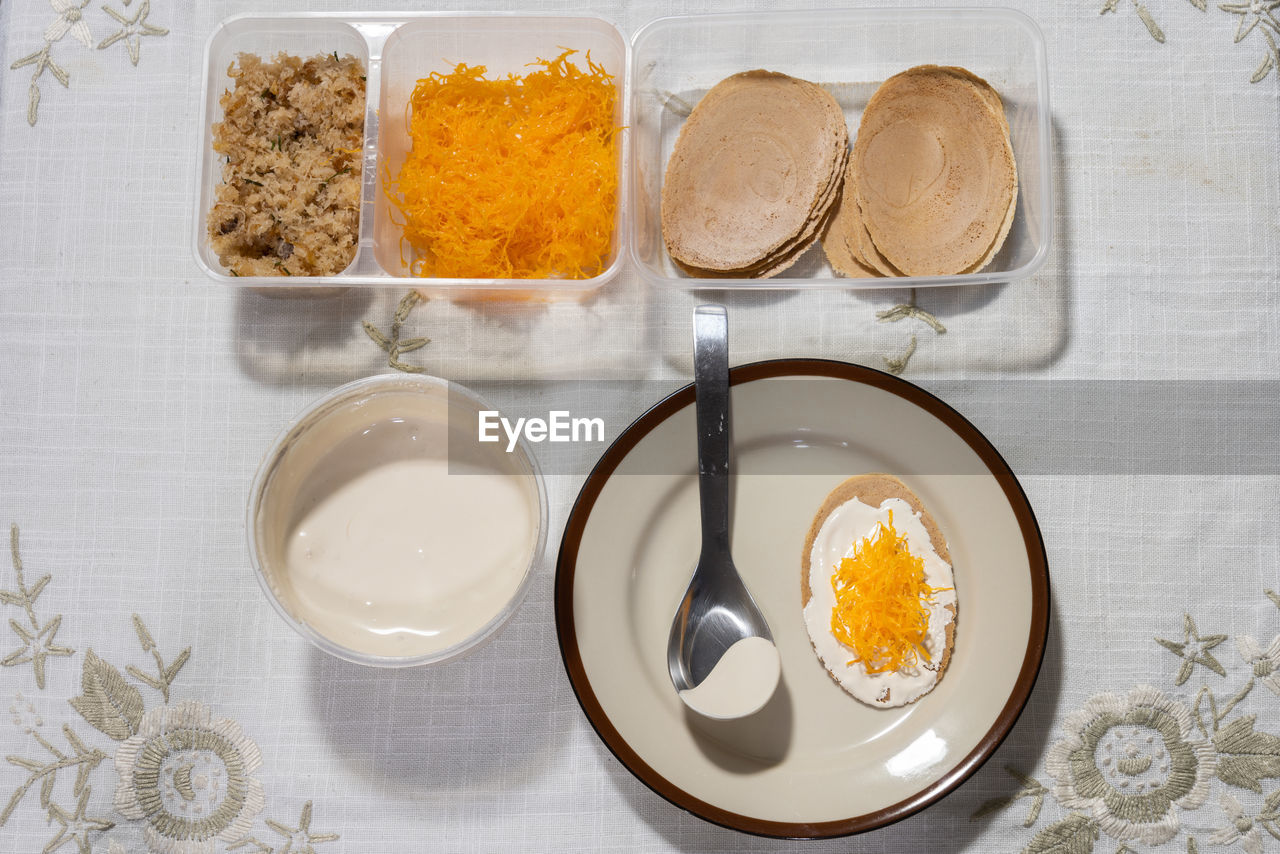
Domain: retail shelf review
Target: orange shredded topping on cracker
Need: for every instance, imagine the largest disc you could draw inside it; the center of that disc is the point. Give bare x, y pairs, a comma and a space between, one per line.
881, 608
511, 178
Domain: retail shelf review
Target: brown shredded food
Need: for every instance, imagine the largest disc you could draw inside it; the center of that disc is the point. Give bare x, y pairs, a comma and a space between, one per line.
292, 133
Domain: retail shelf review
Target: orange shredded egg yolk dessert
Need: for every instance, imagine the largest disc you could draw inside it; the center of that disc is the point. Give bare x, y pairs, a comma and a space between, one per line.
881, 608
511, 178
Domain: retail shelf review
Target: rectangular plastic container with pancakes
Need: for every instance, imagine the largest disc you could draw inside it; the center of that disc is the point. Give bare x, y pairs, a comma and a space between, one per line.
398, 48
676, 60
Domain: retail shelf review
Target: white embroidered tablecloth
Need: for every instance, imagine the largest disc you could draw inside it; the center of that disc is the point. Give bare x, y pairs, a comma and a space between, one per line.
1131, 383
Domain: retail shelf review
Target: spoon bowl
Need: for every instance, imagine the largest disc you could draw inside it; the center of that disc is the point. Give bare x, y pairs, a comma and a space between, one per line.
720, 652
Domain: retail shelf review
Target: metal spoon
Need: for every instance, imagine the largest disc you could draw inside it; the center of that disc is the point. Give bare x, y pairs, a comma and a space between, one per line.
717, 611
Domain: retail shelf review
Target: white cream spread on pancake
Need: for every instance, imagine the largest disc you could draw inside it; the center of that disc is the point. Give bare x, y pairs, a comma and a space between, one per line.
839, 537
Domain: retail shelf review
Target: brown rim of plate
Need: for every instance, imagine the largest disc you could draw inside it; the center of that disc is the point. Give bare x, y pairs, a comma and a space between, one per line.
1000, 728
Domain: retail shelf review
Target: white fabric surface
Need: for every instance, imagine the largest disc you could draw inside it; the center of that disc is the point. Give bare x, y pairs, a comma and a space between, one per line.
136, 399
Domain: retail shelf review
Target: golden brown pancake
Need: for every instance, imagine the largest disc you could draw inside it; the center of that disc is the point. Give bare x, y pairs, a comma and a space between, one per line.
867, 247
996, 104
840, 251
934, 173
753, 175
985, 89
1000, 237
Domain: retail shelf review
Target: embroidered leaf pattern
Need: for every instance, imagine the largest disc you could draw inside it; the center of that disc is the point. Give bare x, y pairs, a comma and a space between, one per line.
1216, 715
905, 310
109, 703
1271, 59
1143, 13
1246, 757
75, 826
1031, 788
37, 638
897, 365
1149, 22
908, 309
1240, 755
392, 344
46, 791
44, 773
71, 19
165, 673
302, 835
1269, 818
1254, 16
1075, 834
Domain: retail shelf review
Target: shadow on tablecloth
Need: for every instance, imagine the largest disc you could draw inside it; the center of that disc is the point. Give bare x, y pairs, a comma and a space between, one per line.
480, 722
321, 340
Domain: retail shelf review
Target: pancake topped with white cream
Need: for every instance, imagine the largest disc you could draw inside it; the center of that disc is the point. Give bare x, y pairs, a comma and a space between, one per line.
879, 592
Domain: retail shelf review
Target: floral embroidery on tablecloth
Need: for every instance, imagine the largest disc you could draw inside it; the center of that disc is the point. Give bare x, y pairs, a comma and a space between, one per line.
903, 311
391, 343
70, 19
189, 777
1254, 16
297, 840
132, 29
1133, 766
37, 638
182, 775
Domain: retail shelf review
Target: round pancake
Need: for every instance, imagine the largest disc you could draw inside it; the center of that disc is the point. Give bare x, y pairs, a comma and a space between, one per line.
867, 247
835, 240
839, 255
1000, 237
873, 489
753, 174
783, 258
994, 101
935, 176
985, 89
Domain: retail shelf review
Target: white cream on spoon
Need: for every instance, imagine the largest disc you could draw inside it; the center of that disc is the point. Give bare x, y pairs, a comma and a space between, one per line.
740, 684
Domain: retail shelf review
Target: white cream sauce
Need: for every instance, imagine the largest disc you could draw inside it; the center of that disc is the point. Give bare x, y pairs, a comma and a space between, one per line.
740, 684
839, 538
385, 547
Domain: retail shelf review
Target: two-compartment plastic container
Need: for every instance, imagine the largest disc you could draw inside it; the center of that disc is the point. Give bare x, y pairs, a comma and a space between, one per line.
660, 74
397, 49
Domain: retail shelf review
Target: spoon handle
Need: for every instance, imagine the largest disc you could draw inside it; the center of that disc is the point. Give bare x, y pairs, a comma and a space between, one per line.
711, 387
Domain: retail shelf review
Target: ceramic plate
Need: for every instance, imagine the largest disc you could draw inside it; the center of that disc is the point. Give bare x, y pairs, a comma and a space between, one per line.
814, 762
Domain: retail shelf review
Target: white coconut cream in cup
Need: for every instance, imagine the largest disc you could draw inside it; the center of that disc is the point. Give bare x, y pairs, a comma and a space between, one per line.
384, 532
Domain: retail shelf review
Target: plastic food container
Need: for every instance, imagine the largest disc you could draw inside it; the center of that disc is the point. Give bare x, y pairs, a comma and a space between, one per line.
398, 48
850, 52
384, 533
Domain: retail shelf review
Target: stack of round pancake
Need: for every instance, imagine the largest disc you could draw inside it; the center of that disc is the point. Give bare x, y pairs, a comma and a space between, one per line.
754, 175
931, 187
